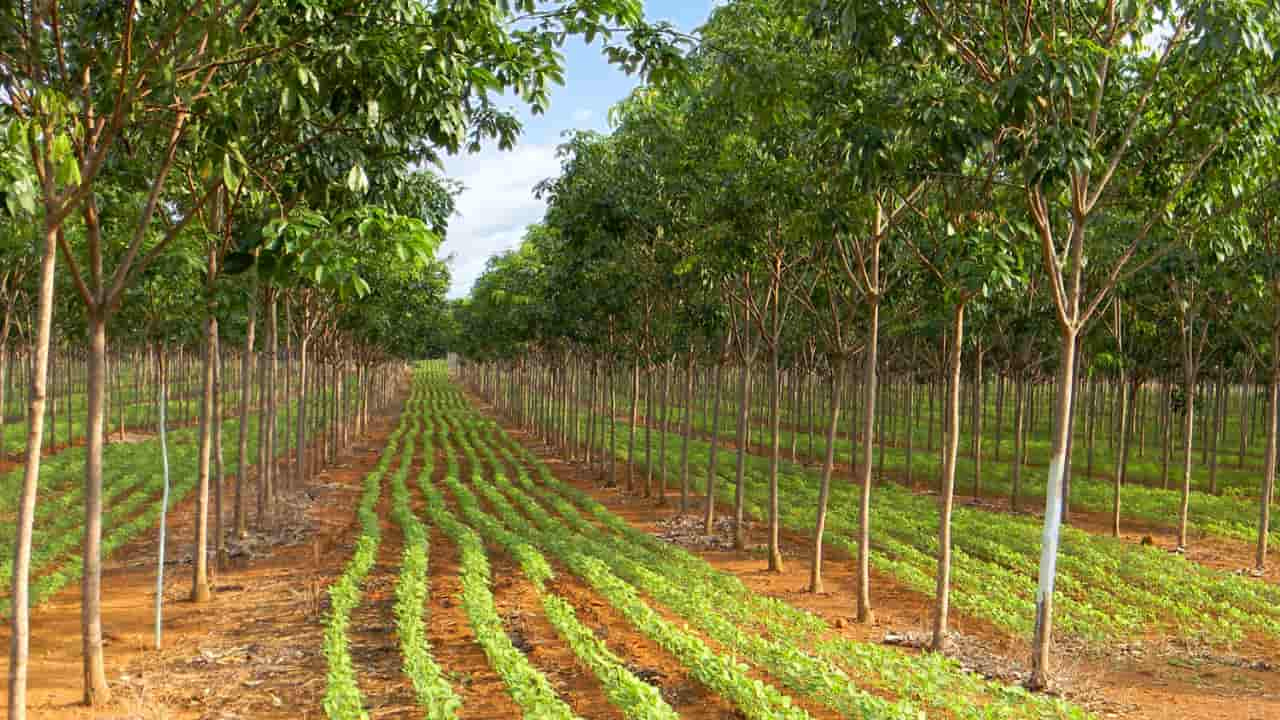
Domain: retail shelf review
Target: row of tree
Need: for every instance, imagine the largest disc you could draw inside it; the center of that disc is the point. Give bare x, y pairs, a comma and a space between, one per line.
174, 168
1047, 190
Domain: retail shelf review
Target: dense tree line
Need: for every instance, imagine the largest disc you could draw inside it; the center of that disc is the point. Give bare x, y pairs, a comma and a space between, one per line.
1053, 221
236, 190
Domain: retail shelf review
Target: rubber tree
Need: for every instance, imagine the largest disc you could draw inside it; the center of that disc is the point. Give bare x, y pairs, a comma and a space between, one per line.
1082, 110
31, 172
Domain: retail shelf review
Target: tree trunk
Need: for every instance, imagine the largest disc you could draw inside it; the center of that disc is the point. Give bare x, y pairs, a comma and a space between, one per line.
1019, 433
709, 515
743, 437
824, 487
662, 435
200, 555
631, 433
978, 399
1090, 423
1188, 436
300, 473
20, 617
775, 396
686, 435
1120, 456
648, 431
1269, 460
219, 537
1216, 430
865, 614
242, 439
1167, 435
95, 674
1043, 632
942, 590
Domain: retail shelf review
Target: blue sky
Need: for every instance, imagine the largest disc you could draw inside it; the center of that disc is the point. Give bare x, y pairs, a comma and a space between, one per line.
498, 201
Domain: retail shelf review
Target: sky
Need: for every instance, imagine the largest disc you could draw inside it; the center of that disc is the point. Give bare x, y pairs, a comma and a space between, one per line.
497, 203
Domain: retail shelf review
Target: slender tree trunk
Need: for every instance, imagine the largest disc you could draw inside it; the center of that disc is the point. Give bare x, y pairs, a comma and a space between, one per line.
1043, 631
20, 616
743, 438
942, 589
273, 374
220, 540
1216, 431
824, 487
662, 435
1019, 433
648, 431
1269, 459
687, 434
865, 613
164, 510
1167, 434
1091, 424
978, 399
709, 515
300, 474
95, 674
242, 440
999, 377
613, 428
1188, 437
775, 396
200, 556
1118, 475
631, 433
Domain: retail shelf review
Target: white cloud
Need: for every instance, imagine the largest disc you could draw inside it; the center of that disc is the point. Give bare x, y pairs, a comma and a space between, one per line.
495, 206
582, 116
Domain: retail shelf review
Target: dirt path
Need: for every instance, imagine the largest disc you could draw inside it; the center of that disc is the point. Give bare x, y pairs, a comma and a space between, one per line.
375, 648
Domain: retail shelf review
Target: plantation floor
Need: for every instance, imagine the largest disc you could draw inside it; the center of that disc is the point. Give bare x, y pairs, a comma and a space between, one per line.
252, 653
1151, 681
255, 652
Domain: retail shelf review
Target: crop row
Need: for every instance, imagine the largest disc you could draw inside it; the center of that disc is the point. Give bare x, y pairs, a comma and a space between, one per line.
766, 632
433, 691
342, 697
132, 486
1108, 589
637, 700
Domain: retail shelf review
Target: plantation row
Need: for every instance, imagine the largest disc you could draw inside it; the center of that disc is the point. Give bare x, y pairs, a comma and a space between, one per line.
489, 494
1111, 591
1231, 514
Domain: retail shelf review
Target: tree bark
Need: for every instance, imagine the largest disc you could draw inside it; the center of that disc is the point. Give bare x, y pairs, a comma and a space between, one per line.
1043, 631
20, 618
824, 487
200, 555
242, 440
686, 435
942, 589
775, 396
1019, 433
1121, 456
631, 432
709, 514
865, 613
743, 438
95, 674
1269, 460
